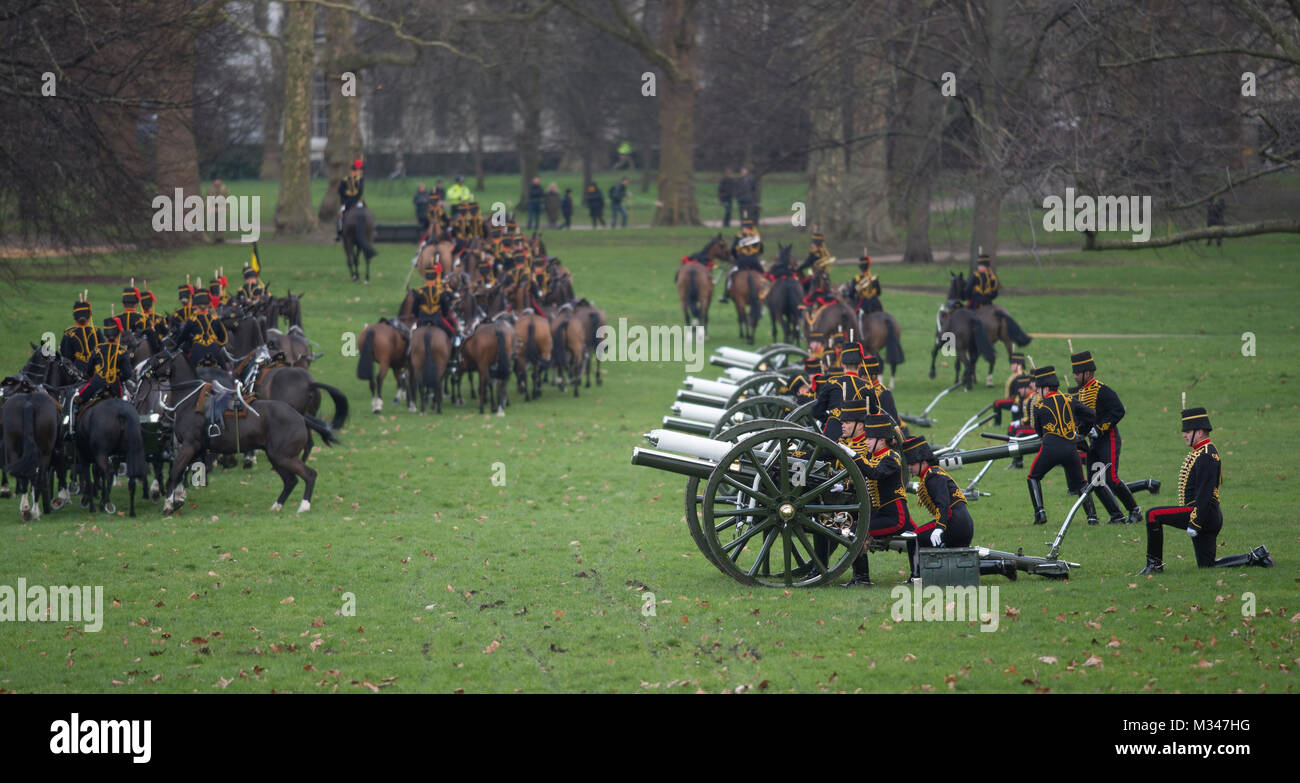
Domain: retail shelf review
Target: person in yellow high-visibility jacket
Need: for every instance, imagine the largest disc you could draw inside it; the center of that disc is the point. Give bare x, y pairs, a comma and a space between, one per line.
459, 193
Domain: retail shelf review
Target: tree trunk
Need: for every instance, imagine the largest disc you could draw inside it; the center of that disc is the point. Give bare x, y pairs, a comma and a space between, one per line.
917, 194
343, 136
476, 150
176, 156
677, 117
293, 212
530, 134
273, 99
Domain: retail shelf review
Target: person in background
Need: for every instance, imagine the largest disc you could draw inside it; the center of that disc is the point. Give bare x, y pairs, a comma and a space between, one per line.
595, 204
617, 195
746, 196
566, 207
421, 202
625, 156
552, 205
536, 196
1214, 214
218, 189
726, 189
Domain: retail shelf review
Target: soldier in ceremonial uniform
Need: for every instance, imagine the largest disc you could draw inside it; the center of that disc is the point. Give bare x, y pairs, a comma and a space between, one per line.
746, 252
132, 319
476, 228
866, 286
153, 322
433, 305
1107, 411
80, 339
1057, 420
185, 313
438, 218
217, 291
871, 437
108, 367
1198, 510
816, 344
351, 188
819, 259
836, 388
203, 337
253, 291
1018, 401
884, 397
940, 495
982, 288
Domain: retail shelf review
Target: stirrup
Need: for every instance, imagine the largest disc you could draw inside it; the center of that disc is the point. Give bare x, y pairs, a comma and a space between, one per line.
214, 430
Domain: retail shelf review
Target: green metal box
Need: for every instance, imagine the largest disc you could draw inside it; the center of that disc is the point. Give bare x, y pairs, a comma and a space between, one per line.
956, 567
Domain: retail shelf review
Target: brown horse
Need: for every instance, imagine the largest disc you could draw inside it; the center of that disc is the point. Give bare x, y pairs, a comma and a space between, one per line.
830, 319
380, 343
998, 323
490, 351
570, 347
746, 294
880, 330
358, 238
430, 354
593, 319
695, 291
435, 252
535, 332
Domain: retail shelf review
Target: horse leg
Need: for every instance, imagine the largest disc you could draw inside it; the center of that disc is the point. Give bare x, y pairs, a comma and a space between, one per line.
287, 476
105, 472
377, 401
83, 474
5, 492
131, 494
180, 465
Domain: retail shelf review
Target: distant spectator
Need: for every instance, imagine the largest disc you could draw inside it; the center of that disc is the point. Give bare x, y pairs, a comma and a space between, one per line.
625, 156
439, 194
218, 189
726, 191
421, 202
746, 196
1214, 213
617, 195
566, 207
595, 204
536, 198
553, 205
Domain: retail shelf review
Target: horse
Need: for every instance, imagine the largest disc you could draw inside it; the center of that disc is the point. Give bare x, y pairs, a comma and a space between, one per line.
695, 291
296, 386
830, 319
430, 354
432, 253
271, 425
784, 300
295, 346
746, 288
489, 351
358, 237
559, 284
381, 343
998, 323
288, 307
31, 432
879, 330
535, 332
959, 330
571, 347
594, 319
109, 429
244, 334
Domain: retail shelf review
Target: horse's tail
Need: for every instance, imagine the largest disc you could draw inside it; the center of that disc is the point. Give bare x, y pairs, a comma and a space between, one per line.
25, 466
429, 373
531, 352
789, 298
366, 362
692, 294
755, 309
1018, 335
593, 342
320, 428
560, 349
501, 365
893, 346
340, 403
982, 342
135, 459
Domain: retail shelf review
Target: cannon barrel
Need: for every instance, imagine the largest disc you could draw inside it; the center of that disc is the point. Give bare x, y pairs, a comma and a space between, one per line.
673, 463
724, 361
688, 425
691, 445
698, 398
737, 374
704, 386
704, 413
956, 459
920, 421
749, 357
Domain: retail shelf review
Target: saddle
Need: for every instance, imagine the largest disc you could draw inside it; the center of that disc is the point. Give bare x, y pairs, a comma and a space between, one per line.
215, 403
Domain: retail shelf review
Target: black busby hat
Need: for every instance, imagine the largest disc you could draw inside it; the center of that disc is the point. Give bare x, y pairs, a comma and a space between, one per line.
812, 364
430, 273
202, 297
983, 257
1082, 362
185, 291
147, 299
1196, 419
746, 223
818, 238
916, 449
80, 309
819, 337
1019, 358
249, 272
112, 327
856, 393
878, 425
864, 260
871, 363
130, 296
799, 379
851, 354
1046, 376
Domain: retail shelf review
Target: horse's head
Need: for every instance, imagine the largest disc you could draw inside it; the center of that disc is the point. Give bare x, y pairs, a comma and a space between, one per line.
784, 255
956, 287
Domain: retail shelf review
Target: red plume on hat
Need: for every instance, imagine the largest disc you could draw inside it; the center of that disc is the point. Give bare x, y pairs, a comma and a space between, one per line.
356, 164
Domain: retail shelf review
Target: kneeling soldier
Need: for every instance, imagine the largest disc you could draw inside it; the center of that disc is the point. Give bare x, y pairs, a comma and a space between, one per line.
1198, 510
1057, 419
870, 436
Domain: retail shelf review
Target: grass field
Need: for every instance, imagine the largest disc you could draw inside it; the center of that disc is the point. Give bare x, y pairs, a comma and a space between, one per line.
536, 586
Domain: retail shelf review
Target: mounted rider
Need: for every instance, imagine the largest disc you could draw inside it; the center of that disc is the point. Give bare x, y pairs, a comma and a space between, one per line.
746, 252
79, 340
819, 260
433, 304
203, 337
983, 286
132, 319
351, 188
153, 322
108, 367
866, 286
185, 313
253, 291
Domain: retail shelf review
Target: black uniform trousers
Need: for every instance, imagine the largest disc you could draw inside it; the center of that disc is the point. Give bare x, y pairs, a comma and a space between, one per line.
1206, 540
1058, 451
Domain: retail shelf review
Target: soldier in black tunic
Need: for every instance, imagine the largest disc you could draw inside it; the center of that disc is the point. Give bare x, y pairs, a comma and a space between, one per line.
884, 397
837, 388
746, 252
80, 339
884, 470
1057, 420
1104, 448
1198, 509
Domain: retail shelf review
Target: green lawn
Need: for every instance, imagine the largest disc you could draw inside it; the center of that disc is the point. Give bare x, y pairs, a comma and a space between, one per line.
536, 586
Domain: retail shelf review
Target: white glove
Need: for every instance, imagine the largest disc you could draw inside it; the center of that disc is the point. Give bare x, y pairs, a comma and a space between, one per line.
837, 488
936, 537
1092, 433
1191, 531
1015, 409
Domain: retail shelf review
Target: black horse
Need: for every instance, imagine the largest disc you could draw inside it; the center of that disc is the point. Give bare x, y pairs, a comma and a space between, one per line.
784, 299
31, 434
109, 430
960, 333
271, 425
